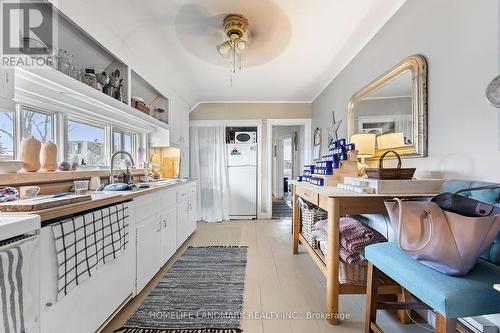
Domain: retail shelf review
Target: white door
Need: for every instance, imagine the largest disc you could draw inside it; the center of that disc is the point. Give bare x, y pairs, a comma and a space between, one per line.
168, 233
243, 187
241, 154
148, 250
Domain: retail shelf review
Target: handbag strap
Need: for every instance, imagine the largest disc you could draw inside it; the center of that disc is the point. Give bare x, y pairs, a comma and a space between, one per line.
479, 188
400, 228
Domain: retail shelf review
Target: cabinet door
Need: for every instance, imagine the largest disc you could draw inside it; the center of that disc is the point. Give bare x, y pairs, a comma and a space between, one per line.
168, 234
175, 122
192, 211
148, 250
182, 222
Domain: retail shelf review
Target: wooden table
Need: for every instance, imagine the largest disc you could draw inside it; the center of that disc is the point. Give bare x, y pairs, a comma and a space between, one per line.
337, 203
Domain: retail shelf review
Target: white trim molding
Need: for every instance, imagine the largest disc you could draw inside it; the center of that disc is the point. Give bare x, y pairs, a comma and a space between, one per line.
306, 122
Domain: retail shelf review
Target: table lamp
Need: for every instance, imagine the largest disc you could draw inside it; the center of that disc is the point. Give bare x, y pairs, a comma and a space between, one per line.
365, 145
390, 140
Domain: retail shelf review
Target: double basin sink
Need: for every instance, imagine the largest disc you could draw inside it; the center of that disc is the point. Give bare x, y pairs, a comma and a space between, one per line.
138, 187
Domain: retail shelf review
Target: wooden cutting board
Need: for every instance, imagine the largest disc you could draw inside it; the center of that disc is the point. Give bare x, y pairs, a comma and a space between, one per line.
31, 205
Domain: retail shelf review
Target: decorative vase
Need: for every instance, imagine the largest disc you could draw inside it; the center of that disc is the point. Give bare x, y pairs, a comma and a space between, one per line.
48, 157
29, 154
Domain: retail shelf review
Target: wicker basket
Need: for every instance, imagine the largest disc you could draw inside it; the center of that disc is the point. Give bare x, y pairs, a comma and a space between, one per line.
398, 173
309, 216
353, 274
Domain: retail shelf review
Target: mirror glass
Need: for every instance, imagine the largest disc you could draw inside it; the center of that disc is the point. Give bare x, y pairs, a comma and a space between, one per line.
393, 107
387, 113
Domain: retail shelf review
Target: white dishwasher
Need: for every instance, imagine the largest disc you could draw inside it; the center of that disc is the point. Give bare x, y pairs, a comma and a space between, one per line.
20, 273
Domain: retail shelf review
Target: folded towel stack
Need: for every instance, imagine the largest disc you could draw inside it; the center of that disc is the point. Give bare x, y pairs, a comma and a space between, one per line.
354, 237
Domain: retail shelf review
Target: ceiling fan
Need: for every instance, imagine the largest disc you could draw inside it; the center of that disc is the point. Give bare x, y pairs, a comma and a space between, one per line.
235, 28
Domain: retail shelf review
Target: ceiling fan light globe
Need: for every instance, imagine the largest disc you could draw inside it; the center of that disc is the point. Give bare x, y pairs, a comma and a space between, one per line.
224, 48
241, 44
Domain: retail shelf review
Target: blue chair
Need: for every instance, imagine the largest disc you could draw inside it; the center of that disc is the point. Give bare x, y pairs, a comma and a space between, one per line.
450, 297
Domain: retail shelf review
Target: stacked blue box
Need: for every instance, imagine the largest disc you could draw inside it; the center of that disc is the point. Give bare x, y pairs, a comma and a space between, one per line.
317, 181
337, 152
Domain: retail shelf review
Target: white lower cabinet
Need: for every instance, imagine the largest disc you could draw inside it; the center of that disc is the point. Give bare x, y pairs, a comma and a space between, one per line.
160, 222
148, 250
165, 220
168, 233
96, 300
187, 213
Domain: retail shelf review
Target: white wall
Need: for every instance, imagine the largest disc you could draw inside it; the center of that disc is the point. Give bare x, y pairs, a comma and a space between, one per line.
459, 39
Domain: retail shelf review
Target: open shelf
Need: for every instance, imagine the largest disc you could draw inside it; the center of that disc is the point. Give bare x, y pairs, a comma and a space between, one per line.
151, 96
57, 90
386, 286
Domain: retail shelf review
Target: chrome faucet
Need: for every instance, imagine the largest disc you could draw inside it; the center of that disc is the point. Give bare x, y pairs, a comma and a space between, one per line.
111, 177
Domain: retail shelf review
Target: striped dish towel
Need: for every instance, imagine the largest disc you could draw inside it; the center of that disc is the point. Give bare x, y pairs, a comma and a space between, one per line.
17, 314
86, 242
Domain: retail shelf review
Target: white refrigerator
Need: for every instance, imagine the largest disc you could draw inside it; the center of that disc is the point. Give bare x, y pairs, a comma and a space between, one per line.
242, 167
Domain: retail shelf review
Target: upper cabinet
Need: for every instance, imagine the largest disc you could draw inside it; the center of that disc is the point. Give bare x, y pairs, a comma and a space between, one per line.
179, 127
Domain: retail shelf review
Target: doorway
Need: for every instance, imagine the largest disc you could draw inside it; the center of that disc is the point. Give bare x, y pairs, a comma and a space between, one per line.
288, 156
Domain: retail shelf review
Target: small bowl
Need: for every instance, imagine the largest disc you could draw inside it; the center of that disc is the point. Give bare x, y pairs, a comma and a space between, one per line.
10, 166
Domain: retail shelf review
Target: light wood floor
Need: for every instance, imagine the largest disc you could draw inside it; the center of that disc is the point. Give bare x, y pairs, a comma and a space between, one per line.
277, 283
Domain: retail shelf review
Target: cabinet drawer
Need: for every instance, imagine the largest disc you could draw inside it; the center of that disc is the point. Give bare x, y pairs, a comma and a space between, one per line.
308, 195
169, 197
148, 205
192, 190
182, 194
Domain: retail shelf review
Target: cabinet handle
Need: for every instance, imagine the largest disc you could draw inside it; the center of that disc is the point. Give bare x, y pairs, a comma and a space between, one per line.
164, 223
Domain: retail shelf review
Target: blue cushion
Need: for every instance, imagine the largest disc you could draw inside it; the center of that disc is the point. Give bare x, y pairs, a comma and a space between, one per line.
488, 196
453, 297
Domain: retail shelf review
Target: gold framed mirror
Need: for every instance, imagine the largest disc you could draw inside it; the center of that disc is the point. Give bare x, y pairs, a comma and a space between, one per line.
393, 107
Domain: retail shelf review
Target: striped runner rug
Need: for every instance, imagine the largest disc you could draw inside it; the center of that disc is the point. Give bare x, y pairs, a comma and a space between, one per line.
202, 293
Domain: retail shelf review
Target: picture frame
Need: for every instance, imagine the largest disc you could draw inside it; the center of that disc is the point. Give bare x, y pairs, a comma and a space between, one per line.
317, 144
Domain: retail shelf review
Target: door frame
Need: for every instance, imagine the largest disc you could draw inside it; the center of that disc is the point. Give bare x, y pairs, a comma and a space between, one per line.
306, 122
280, 157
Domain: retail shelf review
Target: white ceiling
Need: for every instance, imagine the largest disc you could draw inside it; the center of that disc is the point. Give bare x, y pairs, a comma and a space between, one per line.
296, 46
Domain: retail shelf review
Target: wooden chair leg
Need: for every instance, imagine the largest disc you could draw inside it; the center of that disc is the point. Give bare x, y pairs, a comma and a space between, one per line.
445, 325
371, 297
403, 317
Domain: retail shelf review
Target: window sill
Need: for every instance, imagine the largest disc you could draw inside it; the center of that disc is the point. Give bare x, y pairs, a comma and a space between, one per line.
25, 178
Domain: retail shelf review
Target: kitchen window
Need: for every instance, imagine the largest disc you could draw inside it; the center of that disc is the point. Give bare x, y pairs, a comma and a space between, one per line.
7, 135
125, 141
37, 124
117, 141
86, 143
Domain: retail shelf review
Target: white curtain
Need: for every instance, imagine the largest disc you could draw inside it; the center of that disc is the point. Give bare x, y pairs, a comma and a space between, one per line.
208, 159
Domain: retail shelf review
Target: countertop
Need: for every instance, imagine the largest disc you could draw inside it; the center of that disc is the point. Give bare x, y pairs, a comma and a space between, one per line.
99, 199
334, 192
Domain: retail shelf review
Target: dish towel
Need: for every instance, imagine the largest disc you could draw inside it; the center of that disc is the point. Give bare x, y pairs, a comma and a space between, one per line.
86, 242
17, 311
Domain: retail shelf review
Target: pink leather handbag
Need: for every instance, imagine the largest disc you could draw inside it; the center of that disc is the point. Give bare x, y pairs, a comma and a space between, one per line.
447, 242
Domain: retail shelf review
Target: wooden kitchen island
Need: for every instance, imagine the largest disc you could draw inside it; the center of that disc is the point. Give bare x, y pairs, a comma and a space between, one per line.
337, 203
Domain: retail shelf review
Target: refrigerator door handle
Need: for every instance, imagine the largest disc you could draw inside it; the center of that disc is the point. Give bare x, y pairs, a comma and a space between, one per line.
242, 166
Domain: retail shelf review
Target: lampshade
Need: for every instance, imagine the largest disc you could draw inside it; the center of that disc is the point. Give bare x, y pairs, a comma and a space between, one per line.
390, 140
365, 144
